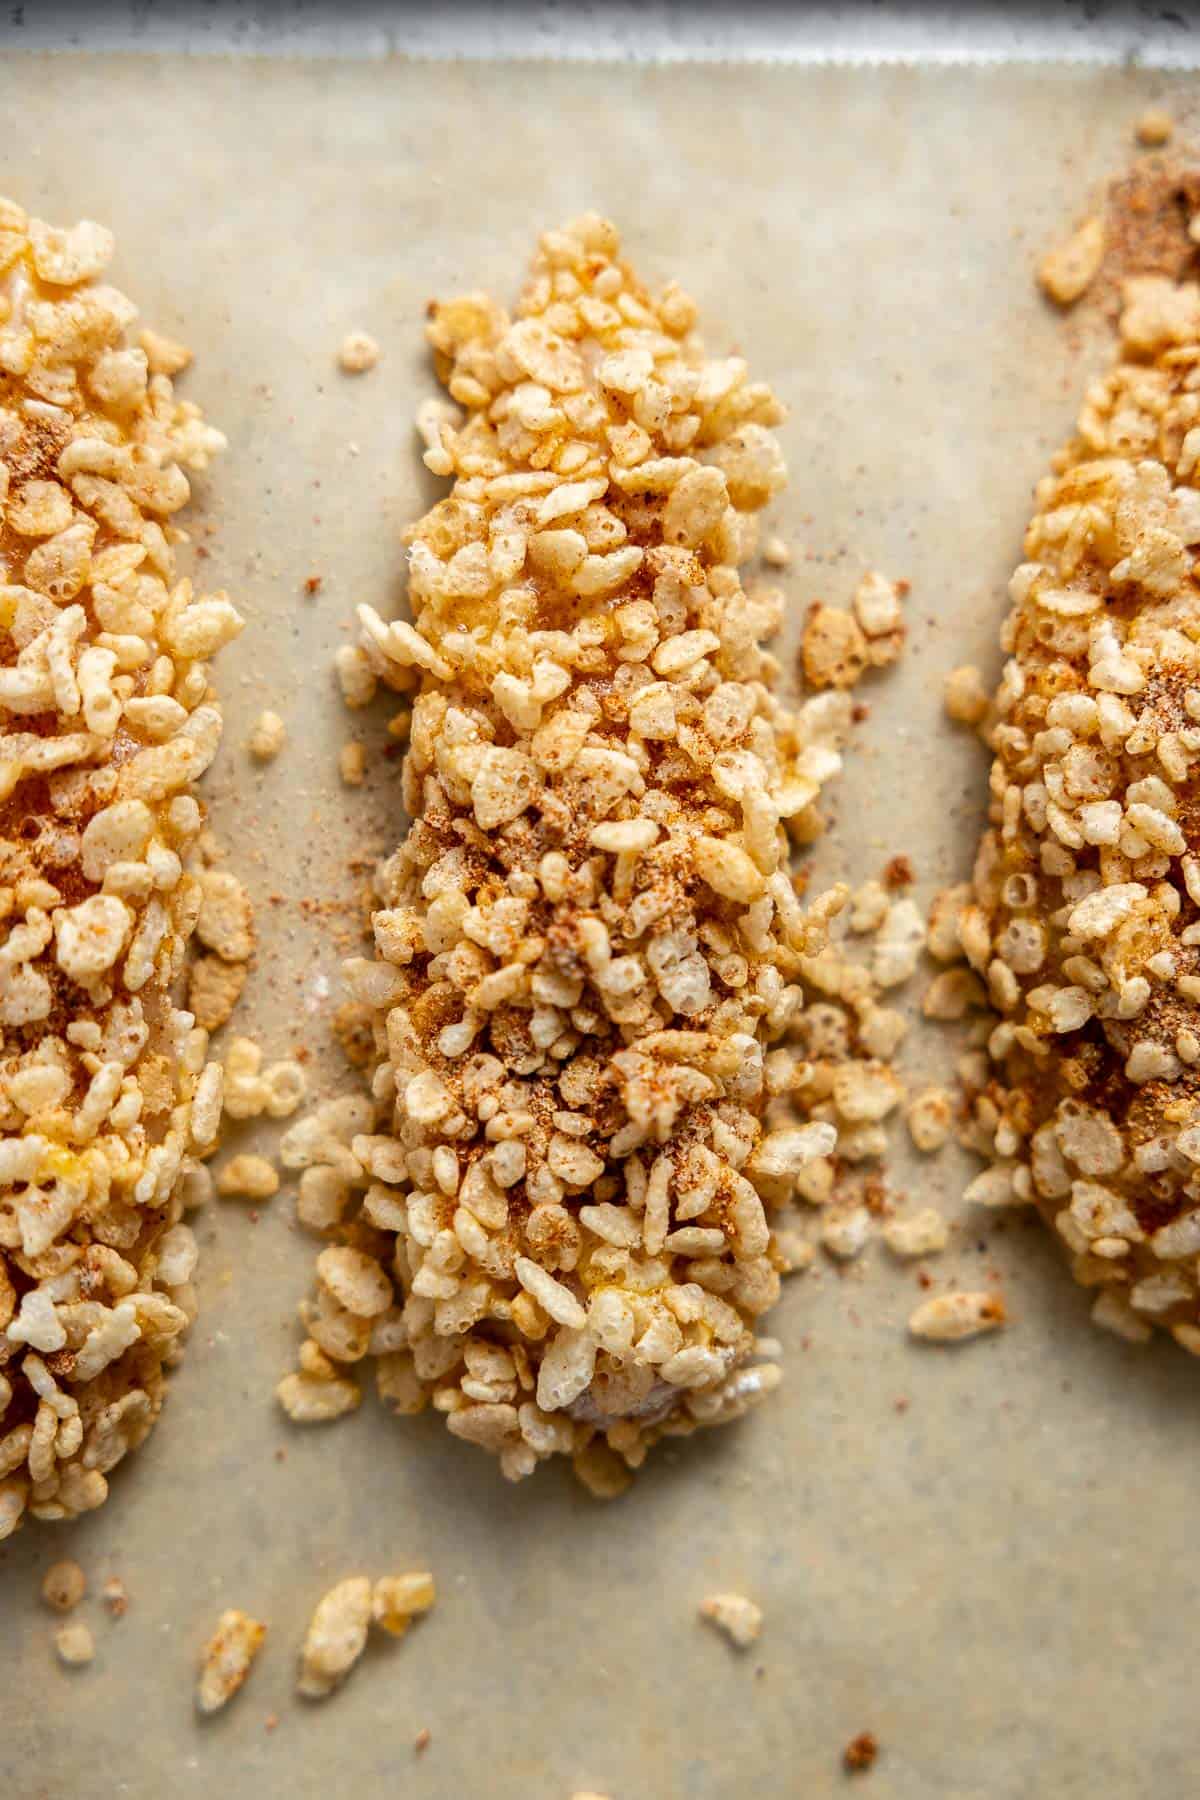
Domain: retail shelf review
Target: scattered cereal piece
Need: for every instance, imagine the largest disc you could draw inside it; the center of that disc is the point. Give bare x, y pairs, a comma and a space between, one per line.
916, 1234
227, 1659
75, 1645
268, 737
226, 922
358, 353
115, 1596
877, 609
164, 356
352, 763
422, 1740
317, 1402
740, 1619
833, 650
796, 1251
860, 1753
1155, 127
64, 1585
949, 1318
337, 1637
930, 1116
1069, 270
397, 1600
356, 677
847, 1234
248, 1177
966, 698
776, 554
214, 988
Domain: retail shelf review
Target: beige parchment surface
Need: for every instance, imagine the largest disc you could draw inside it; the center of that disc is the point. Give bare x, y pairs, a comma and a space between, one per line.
999, 1582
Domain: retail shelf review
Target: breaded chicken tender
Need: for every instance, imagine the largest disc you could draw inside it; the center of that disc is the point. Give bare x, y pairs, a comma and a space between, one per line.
590, 936
1085, 920
106, 720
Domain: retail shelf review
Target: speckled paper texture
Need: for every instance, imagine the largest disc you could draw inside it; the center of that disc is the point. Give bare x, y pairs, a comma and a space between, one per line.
997, 1579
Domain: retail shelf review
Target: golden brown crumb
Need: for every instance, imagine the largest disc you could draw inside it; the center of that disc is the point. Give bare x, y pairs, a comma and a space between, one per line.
214, 987
833, 650
268, 737
227, 1659
115, 1597
352, 763
248, 1177
75, 1645
359, 352
1155, 127
63, 1586
1069, 270
860, 1753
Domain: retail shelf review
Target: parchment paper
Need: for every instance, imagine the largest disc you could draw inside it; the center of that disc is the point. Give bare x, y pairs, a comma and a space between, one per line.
1000, 1581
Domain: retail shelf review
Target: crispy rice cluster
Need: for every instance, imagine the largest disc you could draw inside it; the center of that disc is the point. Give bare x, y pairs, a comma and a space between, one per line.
106, 719
1085, 916
590, 938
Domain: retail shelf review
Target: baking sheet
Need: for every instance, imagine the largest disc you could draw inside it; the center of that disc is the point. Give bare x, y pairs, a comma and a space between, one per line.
997, 1581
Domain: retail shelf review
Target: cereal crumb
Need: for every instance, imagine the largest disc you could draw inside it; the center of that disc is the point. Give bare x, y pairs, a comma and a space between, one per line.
833, 650
164, 356
115, 1596
776, 553
214, 988
740, 1619
964, 695
226, 921
1154, 128
64, 1585
422, 1740
74, 1645
950, 1318
930, 1117
248, 1177
899, 873
916, 1234
227, 1658
313, 584
1069, 270
396, 1600
795, 1250
268, 737
860, 1753
359, 352
352, 763
336, 1637
847, 1234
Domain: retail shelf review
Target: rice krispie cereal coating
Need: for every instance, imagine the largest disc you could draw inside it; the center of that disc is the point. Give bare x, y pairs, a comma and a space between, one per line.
590, 937
108, 718
1085, 915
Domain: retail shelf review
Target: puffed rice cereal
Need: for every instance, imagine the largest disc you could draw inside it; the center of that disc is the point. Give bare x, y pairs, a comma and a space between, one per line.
738, 1618
590, 938
227, 1659
108, 720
